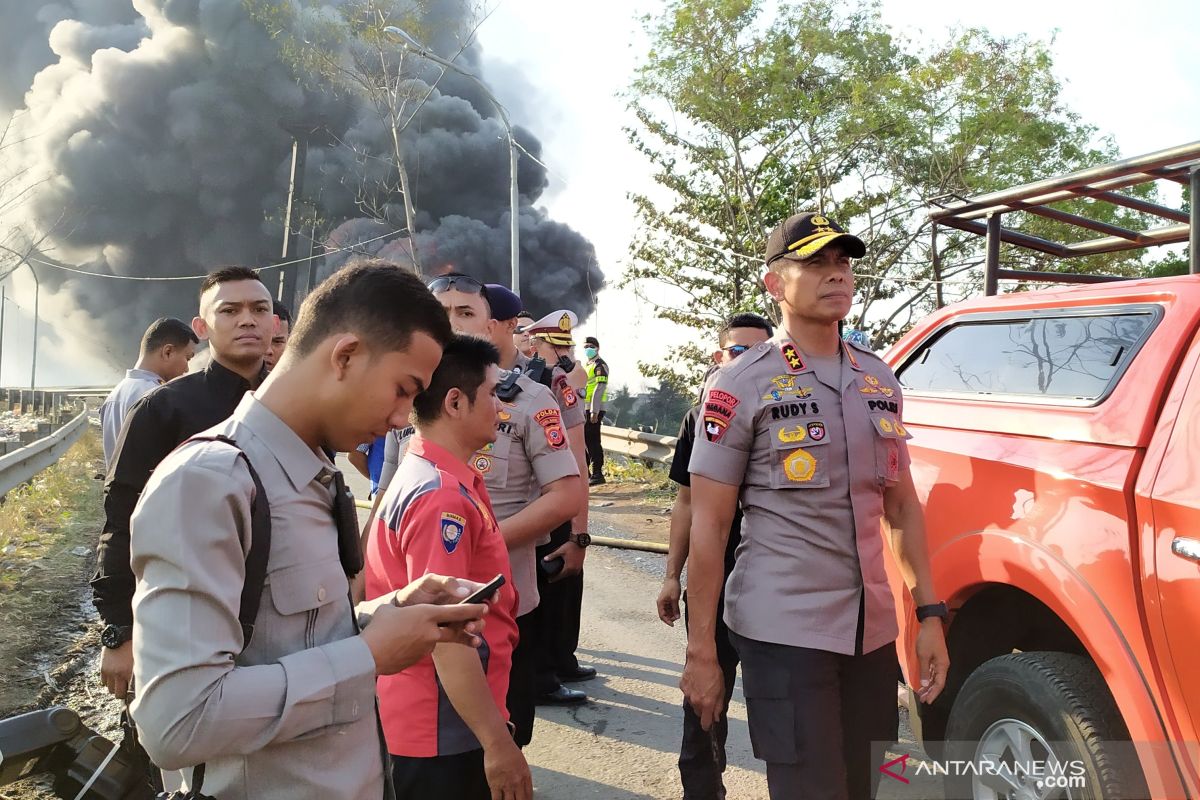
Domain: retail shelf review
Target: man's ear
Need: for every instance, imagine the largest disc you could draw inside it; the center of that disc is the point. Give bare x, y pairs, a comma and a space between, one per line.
200, 328
345, 347
774, 283
452, 404
166, 351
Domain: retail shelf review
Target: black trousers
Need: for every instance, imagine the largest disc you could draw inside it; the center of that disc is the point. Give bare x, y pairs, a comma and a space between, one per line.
702, 753
562, 603
522, 678
814, 716
459, 776
595, 450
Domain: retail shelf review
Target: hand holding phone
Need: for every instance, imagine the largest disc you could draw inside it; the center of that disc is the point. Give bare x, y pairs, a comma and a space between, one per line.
485, 592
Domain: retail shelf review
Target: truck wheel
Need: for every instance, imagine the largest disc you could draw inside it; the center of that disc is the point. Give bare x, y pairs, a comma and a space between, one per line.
1038, 709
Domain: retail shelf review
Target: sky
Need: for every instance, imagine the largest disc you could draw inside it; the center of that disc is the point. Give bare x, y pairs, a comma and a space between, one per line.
1133, 71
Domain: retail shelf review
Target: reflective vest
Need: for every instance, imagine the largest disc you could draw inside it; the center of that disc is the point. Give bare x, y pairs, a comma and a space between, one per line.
591, 383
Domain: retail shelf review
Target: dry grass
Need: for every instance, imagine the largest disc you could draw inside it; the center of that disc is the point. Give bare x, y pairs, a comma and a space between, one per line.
38, 519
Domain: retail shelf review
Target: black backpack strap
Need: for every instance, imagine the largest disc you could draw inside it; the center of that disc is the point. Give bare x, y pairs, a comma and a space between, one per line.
260, 544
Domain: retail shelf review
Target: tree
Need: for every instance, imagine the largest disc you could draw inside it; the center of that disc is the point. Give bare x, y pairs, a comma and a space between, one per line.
746, 118
349, 53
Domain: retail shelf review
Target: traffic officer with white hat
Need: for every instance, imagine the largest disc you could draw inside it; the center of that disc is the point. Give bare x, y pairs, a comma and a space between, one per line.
806, 431
563, 594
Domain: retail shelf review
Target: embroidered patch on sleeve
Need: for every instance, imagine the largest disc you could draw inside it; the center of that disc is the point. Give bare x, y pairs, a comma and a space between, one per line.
551, 424
569, 396
453, 527
719, 411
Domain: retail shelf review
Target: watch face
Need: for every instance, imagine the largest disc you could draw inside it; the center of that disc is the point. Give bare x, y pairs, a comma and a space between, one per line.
113, 636
583, 539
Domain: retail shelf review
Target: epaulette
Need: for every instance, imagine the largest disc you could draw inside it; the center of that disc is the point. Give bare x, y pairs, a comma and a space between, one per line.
743, 362
862, 348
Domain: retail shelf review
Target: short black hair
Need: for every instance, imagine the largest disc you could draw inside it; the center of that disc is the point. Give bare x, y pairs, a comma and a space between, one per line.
593, 341
745, 320
228, 275
464, 365
167, 330
281, 311
379, 300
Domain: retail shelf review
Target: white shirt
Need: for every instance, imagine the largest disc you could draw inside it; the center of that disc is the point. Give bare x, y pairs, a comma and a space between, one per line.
115, 408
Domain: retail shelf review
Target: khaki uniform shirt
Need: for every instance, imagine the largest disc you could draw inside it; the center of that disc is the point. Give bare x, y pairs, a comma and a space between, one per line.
292, 715
813, 460
568, 399
530, 451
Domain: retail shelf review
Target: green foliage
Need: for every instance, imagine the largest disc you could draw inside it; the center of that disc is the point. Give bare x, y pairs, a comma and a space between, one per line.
748, 114
659, 411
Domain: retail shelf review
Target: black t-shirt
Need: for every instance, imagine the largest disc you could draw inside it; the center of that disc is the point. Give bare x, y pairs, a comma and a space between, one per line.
679, 473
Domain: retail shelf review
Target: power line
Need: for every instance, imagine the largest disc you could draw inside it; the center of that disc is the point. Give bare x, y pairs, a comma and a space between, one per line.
77, 271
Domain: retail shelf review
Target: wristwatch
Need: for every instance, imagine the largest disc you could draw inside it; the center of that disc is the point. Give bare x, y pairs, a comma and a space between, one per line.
933, 610
581, 539
113, 636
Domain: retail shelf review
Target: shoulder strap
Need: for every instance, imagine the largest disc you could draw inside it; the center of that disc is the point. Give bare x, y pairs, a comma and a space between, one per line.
260, 544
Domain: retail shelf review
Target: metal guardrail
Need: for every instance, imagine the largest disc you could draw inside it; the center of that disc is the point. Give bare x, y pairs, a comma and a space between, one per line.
20, 465
634, 444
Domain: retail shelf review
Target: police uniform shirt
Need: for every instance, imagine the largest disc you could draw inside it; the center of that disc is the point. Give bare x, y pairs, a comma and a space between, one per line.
568, 399
293, 714
813, 448
530, 451
395, 443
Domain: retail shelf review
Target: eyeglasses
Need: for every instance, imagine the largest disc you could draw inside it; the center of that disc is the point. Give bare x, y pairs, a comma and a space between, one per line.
736, 350
463, 283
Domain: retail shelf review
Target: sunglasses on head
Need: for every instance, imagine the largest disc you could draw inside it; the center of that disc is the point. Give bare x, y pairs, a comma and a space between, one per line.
736, 350
462, 283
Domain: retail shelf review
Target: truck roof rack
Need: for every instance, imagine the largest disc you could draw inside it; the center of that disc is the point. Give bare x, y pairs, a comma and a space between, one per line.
983, 215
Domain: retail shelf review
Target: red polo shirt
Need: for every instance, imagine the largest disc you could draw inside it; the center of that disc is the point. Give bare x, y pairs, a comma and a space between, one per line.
436, 517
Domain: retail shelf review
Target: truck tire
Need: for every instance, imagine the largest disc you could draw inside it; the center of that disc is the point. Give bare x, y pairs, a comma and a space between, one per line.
1040, 706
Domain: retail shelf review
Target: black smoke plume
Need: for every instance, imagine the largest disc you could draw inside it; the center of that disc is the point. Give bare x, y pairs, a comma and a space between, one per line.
153, 131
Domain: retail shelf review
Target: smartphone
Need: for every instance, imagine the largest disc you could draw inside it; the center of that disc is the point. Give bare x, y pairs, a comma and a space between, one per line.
485, 592
552, 567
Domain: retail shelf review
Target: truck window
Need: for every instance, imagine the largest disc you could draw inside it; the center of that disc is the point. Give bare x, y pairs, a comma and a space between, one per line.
1060, 357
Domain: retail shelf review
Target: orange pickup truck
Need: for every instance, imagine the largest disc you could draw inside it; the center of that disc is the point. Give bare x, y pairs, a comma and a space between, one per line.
1056, 448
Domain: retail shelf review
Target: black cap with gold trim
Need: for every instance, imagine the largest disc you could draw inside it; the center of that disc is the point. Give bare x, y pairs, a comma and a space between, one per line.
803, 235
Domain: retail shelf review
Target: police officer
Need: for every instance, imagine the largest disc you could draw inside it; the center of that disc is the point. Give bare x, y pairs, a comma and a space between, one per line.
530, 472
596, 400
807, 430
563, 594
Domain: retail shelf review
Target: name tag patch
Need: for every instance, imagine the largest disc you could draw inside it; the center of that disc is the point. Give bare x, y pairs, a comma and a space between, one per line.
790, 410
453, 527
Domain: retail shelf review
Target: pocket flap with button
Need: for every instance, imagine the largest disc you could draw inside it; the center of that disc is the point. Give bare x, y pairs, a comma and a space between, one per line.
307, 586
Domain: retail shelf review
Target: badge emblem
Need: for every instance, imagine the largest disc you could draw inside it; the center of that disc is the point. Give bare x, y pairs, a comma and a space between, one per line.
482, 464
901, 430
569, 396
792, 435
885, 425
792, 356
816, 431
505, 416
714, 427
799, 466
551, 424
452, 530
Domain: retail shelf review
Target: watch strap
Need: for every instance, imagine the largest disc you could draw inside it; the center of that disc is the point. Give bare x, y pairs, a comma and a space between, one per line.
932, 610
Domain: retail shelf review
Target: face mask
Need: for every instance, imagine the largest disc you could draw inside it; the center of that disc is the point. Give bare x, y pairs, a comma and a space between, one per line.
590, 352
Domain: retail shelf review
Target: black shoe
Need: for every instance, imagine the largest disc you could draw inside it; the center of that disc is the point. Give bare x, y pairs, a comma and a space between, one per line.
577, 675
562, 696
596, 480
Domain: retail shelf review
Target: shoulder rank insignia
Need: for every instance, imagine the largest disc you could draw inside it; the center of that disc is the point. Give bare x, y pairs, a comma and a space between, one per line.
792, 356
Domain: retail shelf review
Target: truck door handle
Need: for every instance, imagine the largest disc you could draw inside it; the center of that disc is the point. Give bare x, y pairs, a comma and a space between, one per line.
1186, 548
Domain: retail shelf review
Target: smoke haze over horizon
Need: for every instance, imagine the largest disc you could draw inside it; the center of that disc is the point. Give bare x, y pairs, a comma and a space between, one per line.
151, 130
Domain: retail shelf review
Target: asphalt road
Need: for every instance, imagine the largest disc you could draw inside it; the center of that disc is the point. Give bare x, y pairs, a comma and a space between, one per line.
623, 744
